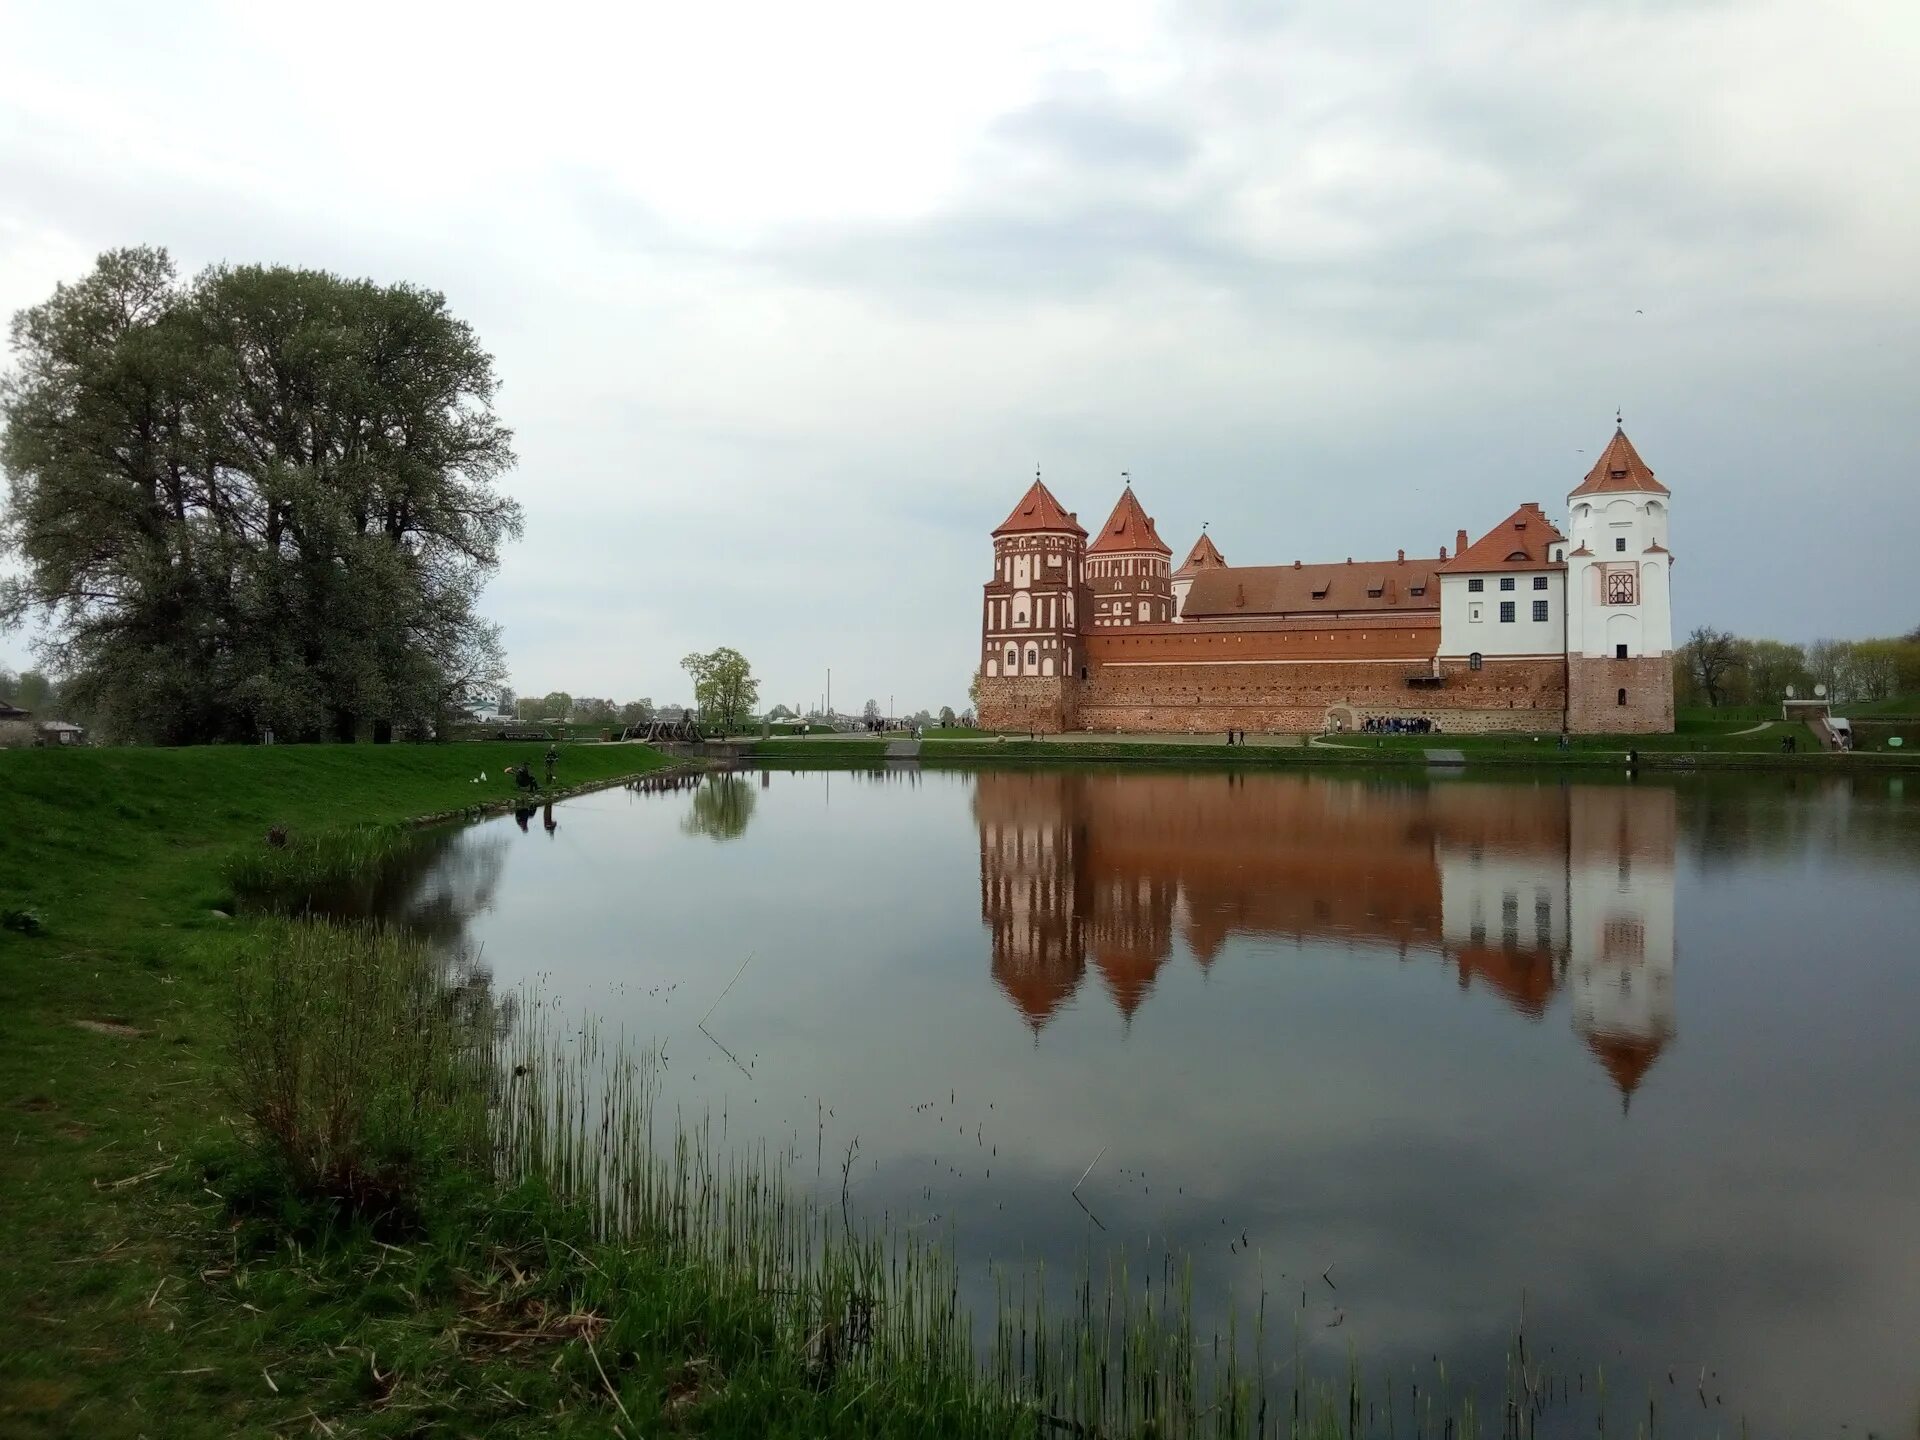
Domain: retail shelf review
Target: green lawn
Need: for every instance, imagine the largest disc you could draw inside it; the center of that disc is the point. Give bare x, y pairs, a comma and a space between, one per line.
123, 1318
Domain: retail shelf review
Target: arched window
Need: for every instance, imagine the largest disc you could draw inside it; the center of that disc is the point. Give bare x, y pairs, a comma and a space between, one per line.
1033, 658
1013, 659
1473, 661
1622, 699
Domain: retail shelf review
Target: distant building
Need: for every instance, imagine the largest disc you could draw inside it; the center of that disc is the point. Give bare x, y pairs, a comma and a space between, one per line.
1528, 628
16, 726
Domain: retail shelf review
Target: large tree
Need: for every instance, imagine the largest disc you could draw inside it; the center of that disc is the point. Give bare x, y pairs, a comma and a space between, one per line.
723, 688
264, 497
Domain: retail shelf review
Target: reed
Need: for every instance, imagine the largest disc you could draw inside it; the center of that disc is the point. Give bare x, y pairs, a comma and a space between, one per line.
302, 872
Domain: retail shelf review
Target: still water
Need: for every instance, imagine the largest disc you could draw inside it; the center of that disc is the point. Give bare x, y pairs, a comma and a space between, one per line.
1408, 1054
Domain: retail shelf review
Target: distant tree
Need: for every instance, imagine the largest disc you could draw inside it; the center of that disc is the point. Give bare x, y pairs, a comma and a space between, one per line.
946, 716
1828, 662
780, 712
636, 712
1712, 655
33, 691
504, 700
557, 705
529, 707
1772, 668
723, 688
973, 691
871, 711
588, 710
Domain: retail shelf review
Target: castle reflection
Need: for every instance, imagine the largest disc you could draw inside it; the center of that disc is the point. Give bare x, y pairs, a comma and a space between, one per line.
1525, 893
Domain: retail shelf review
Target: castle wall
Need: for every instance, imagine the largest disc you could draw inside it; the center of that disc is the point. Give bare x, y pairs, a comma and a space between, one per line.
1306, 697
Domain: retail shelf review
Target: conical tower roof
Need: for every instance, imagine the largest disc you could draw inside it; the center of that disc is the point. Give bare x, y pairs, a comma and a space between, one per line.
1038, 510
1128, 530
1203, 556
1619, 468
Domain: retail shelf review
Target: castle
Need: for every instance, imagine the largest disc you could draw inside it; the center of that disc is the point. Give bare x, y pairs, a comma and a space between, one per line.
1525, 629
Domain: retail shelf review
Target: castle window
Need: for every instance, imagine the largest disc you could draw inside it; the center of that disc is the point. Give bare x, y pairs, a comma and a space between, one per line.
1013, 659
1473, 613
1539, 610
1033, 656
1623, 587
1539, 582
1476, 586
1473, 661
1506, 612
1622, 698
1506, 582
1620, 652
1620, 543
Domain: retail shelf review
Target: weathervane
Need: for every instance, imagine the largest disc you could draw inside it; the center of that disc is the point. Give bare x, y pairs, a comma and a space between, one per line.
1126, 479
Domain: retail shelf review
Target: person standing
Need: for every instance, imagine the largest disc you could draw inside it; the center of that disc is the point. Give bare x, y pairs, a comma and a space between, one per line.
553, 759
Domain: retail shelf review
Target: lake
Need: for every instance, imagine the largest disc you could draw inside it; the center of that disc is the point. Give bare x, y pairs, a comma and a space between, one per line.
1409, 1053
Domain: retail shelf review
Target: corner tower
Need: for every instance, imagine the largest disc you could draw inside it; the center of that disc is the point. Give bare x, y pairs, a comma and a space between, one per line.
1619, 610
1030, 617
1129, 569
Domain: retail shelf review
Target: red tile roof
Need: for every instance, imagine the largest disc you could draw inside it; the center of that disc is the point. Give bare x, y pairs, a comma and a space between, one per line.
1249, 591
1519, 542
1038, 510
1129, 529
1203, 556
1620, 468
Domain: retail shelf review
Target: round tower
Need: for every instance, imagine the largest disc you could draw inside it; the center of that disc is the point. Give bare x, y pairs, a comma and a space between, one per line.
1619, 611
1129, 569
1031, 615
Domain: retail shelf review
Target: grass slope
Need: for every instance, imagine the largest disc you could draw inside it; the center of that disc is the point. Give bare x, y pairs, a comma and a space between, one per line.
122, 1321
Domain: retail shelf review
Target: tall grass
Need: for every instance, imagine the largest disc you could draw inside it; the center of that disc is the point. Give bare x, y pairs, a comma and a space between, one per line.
361, 1069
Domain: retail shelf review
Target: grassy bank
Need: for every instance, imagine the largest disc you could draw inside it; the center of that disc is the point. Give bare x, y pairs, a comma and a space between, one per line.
117, 863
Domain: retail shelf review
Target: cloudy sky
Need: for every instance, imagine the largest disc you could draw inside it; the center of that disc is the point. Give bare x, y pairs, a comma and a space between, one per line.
790, 300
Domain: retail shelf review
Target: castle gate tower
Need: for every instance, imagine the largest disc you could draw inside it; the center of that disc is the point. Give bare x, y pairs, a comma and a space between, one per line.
1619, 612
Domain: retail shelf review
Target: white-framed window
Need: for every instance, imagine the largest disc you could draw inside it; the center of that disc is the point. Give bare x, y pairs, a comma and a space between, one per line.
1539, 610
1539, 582
1620, 544
1506, 612
1473, 614
1475, 586
1506, 582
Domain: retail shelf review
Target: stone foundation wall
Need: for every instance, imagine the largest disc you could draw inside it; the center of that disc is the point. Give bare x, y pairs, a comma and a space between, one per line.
1043, 704
1516, 695
1594, 686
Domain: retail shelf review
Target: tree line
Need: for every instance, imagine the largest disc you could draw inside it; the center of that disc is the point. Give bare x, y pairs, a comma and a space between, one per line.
260, 499
1717, 667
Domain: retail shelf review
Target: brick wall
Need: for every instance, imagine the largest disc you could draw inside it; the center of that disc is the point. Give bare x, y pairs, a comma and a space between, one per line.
1594, 686
1043, 704
1521, 695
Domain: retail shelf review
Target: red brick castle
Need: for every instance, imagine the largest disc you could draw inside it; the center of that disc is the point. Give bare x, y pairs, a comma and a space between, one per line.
1528, 628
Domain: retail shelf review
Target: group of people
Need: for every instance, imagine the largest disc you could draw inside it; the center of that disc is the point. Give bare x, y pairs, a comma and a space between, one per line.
1398, 725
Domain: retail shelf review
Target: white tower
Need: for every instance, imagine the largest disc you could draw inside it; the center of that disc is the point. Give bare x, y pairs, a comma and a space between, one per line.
1619, 610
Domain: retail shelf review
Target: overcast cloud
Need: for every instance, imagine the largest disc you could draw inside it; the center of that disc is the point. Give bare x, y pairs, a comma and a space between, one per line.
789, 301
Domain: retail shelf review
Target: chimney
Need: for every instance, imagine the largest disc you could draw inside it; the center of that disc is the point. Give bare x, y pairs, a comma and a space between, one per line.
1443, 552
1349, 559
1403, 557
1459, 542
1296, 564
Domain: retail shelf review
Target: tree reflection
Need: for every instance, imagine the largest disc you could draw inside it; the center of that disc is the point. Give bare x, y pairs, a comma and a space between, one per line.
721, 808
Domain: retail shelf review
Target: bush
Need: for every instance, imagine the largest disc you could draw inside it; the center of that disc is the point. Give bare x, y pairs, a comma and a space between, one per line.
362, 1069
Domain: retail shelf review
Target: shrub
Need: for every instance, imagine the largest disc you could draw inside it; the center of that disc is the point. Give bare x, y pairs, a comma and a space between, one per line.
362, 1069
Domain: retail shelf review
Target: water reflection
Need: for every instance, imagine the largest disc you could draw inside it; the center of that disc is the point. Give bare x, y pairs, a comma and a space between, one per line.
1573, 891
